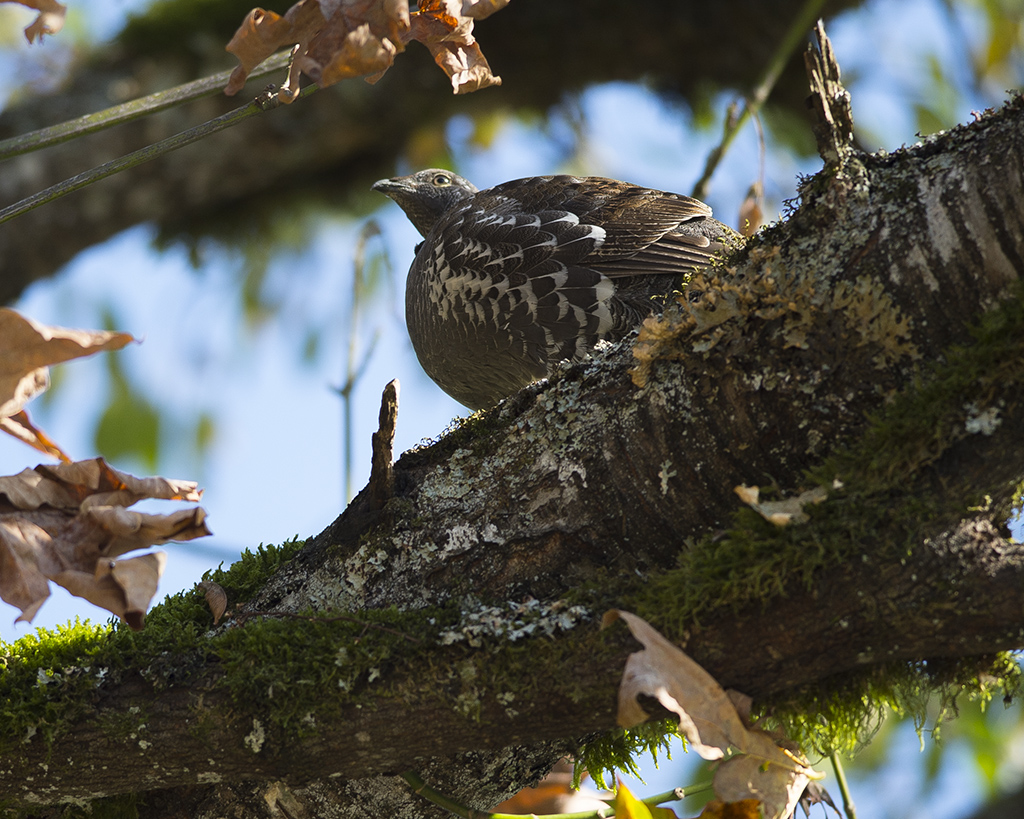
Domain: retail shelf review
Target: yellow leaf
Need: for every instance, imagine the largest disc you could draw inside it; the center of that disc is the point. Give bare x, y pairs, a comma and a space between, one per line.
628, 806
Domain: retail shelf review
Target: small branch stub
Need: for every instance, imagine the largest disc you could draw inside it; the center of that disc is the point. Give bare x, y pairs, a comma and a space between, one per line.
829, 101
382, 474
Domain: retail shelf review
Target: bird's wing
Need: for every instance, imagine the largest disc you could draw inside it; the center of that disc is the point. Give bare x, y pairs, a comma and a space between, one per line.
640, 231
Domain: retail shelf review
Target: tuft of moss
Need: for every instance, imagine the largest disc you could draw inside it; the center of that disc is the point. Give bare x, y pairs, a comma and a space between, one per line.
614, 751
845, 715
268, 671
48, 678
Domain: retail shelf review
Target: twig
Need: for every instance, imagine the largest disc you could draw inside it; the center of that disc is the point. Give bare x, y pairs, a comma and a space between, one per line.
353, 371
382, 473
262, 103
733, 123
128, 111
848, 807
829, 102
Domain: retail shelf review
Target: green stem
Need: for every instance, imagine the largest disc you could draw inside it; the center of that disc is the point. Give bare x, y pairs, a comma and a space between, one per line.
164, 146
848, 807
734, 124
126, 112
423, 789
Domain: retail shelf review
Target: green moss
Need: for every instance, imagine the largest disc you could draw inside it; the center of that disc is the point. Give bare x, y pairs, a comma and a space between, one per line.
247, 575
50, 677
269, 672
843, 714
483, 431
927, 419
618, 750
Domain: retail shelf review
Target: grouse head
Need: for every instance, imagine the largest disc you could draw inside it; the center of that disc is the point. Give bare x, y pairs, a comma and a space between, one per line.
426, 196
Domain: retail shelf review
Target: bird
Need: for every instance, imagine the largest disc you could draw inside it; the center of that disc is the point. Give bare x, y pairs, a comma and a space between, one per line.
511, 280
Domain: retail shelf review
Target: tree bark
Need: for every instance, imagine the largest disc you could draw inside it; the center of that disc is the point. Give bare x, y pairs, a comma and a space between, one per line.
577, 484
330, 147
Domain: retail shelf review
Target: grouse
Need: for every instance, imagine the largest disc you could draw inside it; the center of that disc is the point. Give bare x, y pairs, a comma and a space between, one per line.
510, 280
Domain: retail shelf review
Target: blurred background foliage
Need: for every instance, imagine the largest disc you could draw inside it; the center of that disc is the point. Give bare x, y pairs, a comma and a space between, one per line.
270, 301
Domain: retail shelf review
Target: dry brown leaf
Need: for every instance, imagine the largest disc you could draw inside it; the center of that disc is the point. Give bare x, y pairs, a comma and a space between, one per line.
758, 768
783, 512
24, 430
67, 523
49, 21
27, 348
747, 776
358, 53
264, 32
751, 216
216, 599
122, 587
338, 39
86, 483
479, 9
553, 794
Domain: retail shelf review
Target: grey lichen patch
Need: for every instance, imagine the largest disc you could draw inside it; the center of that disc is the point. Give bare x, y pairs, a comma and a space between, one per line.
256, 737
984, 421
514, 621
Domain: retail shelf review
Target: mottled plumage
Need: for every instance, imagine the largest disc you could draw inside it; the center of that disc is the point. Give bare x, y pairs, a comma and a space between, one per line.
511, 280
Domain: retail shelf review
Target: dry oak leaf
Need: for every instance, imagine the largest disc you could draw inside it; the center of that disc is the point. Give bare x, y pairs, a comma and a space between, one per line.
757, 769
216, 598
338, 39
27, 348
68, 522
49, 21
21, 427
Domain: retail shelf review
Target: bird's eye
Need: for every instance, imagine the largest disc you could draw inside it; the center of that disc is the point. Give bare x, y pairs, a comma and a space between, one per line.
442, 179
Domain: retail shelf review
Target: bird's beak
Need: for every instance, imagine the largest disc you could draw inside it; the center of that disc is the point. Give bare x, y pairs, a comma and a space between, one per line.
390, 186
